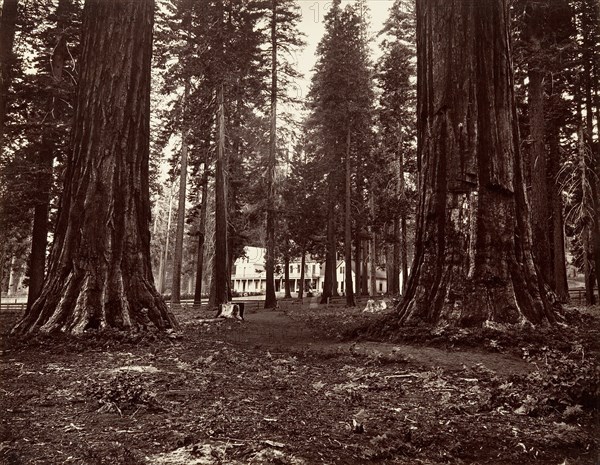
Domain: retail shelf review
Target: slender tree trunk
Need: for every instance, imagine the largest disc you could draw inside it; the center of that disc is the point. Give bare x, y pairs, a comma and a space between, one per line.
373, 251
100, 269
586, 220
302, 272
394, 278
404, 252
221, 256
270, 298
350, 302
8, 22
473, 259
286, 274
201, 236
164, 259
357, 258
39, 234
178, 255
364, 284
330, 259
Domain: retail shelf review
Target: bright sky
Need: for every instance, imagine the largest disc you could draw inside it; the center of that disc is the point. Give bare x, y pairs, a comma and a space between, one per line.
313, 26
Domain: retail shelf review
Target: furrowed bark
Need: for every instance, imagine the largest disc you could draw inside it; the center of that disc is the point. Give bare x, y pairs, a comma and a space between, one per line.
99, 270
473, 259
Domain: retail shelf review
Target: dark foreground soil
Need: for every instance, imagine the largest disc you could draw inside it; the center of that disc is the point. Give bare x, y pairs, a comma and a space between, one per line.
285, 388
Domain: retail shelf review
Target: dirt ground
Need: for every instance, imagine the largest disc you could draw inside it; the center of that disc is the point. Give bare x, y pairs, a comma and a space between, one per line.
291, 387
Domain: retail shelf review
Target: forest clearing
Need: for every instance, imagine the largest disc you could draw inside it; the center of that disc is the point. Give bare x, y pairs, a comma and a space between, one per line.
283, 387
300, 232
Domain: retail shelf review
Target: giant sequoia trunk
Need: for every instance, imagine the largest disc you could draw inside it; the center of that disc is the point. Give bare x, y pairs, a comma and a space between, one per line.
8, 22
473, 259
99, 272
539, 192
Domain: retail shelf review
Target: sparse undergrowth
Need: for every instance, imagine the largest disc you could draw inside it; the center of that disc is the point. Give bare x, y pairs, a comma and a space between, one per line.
272, 391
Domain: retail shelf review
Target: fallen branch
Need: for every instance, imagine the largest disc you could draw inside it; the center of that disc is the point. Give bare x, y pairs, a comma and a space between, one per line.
404, 375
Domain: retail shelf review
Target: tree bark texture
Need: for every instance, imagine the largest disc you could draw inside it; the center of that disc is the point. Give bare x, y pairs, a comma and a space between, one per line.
201, 236
270, 298
560, 284
404, 251
286, 274
302, 272
373, 251
357, 258
178, 253
348, 290
39, 232
539, 198
221, 257
45, 161
473, 258
330, 258
8, 22
100, 270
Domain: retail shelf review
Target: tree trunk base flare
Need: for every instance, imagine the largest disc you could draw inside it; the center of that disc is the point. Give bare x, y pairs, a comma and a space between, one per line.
455, 284
99, 273
86, 300
473, 262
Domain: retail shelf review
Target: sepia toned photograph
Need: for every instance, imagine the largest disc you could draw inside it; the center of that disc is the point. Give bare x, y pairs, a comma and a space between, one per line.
300, 232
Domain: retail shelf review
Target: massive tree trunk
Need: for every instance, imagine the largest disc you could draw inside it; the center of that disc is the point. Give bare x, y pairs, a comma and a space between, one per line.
473, 259
220, 275
8, 22
100, 269
270, 298
559, 274
201, 236
178, 255
348, 230
539, 198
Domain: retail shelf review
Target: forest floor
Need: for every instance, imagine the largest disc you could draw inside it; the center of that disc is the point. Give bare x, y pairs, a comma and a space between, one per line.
291, 387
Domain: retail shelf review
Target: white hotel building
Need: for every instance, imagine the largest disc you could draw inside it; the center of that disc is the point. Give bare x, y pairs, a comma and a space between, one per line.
248, 274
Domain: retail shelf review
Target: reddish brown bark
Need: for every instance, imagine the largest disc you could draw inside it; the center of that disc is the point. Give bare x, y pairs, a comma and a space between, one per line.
100, 270
473, 259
